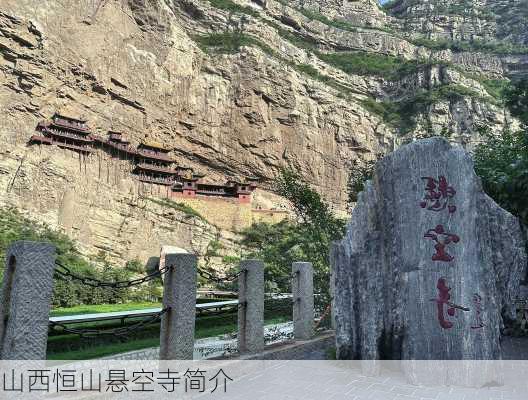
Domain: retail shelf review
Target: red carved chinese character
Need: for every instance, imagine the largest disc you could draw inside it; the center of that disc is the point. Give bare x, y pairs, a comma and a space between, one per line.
477, 301
443, 300
438, 195
442, 239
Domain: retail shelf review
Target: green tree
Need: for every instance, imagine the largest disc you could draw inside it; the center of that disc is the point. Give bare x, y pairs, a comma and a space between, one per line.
359, 174
517, 100
501, 161
306, 239
67, 293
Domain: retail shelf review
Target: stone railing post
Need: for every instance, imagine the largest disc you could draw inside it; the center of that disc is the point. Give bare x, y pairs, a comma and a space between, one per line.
26, 300
179, 294
303, 300
251, 306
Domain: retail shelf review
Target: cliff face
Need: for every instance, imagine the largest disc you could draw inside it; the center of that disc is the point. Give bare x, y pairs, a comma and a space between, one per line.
234, 88
465, 19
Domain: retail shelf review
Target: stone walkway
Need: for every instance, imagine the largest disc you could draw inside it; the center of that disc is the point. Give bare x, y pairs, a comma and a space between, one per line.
294, 380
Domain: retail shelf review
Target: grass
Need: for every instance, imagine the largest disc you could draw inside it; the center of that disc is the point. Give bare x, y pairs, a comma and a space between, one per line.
100, 308
104, 308
497, 88
485, 46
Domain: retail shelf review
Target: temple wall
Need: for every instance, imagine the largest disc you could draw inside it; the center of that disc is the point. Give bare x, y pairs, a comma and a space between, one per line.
229, 213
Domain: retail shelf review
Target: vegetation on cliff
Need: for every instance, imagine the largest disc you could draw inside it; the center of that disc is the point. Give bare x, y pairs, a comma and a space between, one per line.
14, 226
307, 239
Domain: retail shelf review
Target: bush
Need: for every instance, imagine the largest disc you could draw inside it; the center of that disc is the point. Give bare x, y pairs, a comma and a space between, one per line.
501, 161
135, 266
309, 239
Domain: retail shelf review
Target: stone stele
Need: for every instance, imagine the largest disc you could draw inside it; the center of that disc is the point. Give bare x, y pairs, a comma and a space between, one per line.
430, 265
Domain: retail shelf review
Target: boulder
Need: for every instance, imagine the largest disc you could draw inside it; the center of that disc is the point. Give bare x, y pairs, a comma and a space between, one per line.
430, 266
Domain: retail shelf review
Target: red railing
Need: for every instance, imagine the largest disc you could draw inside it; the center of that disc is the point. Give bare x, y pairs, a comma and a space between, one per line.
159, 181
154, 156
83, 149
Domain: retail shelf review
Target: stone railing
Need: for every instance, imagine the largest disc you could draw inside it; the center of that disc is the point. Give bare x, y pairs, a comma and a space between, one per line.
30, 271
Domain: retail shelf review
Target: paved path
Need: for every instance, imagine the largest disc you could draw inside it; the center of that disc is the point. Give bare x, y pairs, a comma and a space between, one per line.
297, 380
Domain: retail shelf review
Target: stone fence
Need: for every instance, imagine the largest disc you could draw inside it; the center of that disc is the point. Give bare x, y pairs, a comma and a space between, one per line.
28, 286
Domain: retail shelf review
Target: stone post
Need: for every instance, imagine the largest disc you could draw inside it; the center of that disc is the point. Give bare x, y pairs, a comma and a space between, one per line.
303, 300
179, 293
26, 300
251, 306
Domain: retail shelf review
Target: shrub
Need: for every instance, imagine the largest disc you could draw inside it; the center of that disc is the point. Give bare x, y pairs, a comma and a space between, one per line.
309, 239
66, 293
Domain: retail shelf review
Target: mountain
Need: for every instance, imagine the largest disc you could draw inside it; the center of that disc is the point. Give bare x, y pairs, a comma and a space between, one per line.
237, 88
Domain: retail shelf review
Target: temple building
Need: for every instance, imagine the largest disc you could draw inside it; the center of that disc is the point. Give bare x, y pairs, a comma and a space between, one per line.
154, 165
65, 132
152, 162
189, 184
116, 144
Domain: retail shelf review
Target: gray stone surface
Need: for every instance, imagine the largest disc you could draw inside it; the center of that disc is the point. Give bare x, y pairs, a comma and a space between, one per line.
251, 306
26, 300
390, 280
179, 293
166, 250
303, 300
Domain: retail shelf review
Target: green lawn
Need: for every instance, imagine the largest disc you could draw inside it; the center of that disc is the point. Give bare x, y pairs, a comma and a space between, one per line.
101, 308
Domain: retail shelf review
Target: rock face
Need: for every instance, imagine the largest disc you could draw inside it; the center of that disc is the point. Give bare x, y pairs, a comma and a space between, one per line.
148, 69
465, 20
430, 265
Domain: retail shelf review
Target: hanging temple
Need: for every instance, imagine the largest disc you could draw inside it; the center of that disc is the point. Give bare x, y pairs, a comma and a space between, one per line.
152, 162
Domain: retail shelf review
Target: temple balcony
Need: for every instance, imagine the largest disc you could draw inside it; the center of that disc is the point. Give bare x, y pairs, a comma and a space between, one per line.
124, 147
40, 139
209, 189
69, 135
156, 180
154, 155
156, 168
81, 149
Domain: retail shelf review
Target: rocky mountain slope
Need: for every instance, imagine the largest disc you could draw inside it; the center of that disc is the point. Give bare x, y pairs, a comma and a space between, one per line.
236, 88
